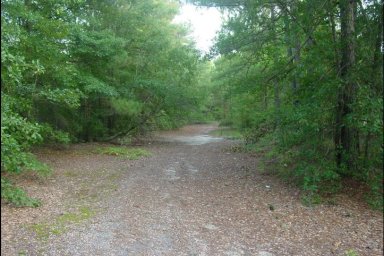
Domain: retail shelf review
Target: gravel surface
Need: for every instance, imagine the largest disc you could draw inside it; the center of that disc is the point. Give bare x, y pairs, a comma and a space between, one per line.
193, 196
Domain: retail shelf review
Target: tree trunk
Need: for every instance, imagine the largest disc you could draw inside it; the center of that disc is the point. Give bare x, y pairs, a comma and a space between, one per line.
334, 35
346, 136
377, 76
265, 98
293, 53
275, 82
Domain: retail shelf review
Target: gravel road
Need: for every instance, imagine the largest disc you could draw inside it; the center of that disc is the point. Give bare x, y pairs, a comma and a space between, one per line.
193, 196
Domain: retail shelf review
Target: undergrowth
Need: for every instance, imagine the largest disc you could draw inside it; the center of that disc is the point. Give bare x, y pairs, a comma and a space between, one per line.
16, 196
314, 173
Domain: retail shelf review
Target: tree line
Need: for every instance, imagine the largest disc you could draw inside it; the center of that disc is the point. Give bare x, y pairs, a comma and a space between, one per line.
85, 70
305, 79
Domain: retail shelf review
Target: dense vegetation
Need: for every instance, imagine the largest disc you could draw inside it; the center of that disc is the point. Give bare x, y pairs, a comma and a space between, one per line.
79, 70
304, 80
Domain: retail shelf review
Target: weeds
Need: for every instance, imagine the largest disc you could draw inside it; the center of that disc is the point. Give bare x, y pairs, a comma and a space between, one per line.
130, 153
17, 196
351, 252
59, 225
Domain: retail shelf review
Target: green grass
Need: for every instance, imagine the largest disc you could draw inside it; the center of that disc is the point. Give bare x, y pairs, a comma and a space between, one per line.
228, 133
130, 153
59, 225
351, 252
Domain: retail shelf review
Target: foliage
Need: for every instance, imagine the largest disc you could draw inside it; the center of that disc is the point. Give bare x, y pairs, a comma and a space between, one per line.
83, 71
16, 196
283, 72
290, 71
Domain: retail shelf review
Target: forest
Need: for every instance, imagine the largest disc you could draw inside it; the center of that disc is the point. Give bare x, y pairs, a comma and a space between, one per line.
302, 81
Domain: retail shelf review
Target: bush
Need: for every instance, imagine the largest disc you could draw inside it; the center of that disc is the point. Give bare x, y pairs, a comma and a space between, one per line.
16, 196
17, 136
51, 136
253, 135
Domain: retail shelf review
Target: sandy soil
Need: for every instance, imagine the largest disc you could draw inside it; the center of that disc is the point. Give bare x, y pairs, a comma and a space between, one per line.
185, 199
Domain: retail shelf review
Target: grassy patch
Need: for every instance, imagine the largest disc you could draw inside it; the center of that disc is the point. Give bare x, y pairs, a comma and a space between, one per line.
130, 153
351, 252
71, 174
228, 133
59, 225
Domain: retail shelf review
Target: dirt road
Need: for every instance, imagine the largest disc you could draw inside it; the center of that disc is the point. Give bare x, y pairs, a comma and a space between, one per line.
192, 196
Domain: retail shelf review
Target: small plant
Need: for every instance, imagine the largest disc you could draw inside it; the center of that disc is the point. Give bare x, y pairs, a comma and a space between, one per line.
375, 200
130, 153
16, 196
351, 252
310, 199
375, 196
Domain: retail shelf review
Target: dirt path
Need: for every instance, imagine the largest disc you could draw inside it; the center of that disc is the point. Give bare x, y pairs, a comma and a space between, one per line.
193, 196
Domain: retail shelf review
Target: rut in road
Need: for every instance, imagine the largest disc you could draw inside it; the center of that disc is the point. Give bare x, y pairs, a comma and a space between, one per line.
194, 196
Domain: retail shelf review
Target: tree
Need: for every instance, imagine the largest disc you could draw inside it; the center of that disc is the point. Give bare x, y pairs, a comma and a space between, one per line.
346, 136
319, 62
91, 70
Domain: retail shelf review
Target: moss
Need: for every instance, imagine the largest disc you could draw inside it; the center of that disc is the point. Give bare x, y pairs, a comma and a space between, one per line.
42, 230
114, 176
83, 214
70, 174
59, 225
130, 153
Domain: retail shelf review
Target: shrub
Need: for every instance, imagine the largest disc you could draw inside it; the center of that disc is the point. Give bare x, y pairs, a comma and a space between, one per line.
16, 196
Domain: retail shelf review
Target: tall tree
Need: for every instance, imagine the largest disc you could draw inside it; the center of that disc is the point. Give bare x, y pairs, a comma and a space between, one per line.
346, 136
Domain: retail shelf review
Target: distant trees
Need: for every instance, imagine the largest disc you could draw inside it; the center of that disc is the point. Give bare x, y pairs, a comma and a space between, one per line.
308, 77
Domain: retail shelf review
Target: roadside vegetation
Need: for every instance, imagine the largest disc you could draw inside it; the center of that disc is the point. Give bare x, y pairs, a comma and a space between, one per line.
303, 82
300, 81
82, 71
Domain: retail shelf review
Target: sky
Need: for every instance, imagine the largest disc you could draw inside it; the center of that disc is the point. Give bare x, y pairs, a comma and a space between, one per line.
204, 22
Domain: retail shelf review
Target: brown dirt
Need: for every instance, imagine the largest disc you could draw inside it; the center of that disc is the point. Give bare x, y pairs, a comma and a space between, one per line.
183, 200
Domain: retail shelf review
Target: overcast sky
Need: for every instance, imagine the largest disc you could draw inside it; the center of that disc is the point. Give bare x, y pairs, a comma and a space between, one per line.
205, 22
